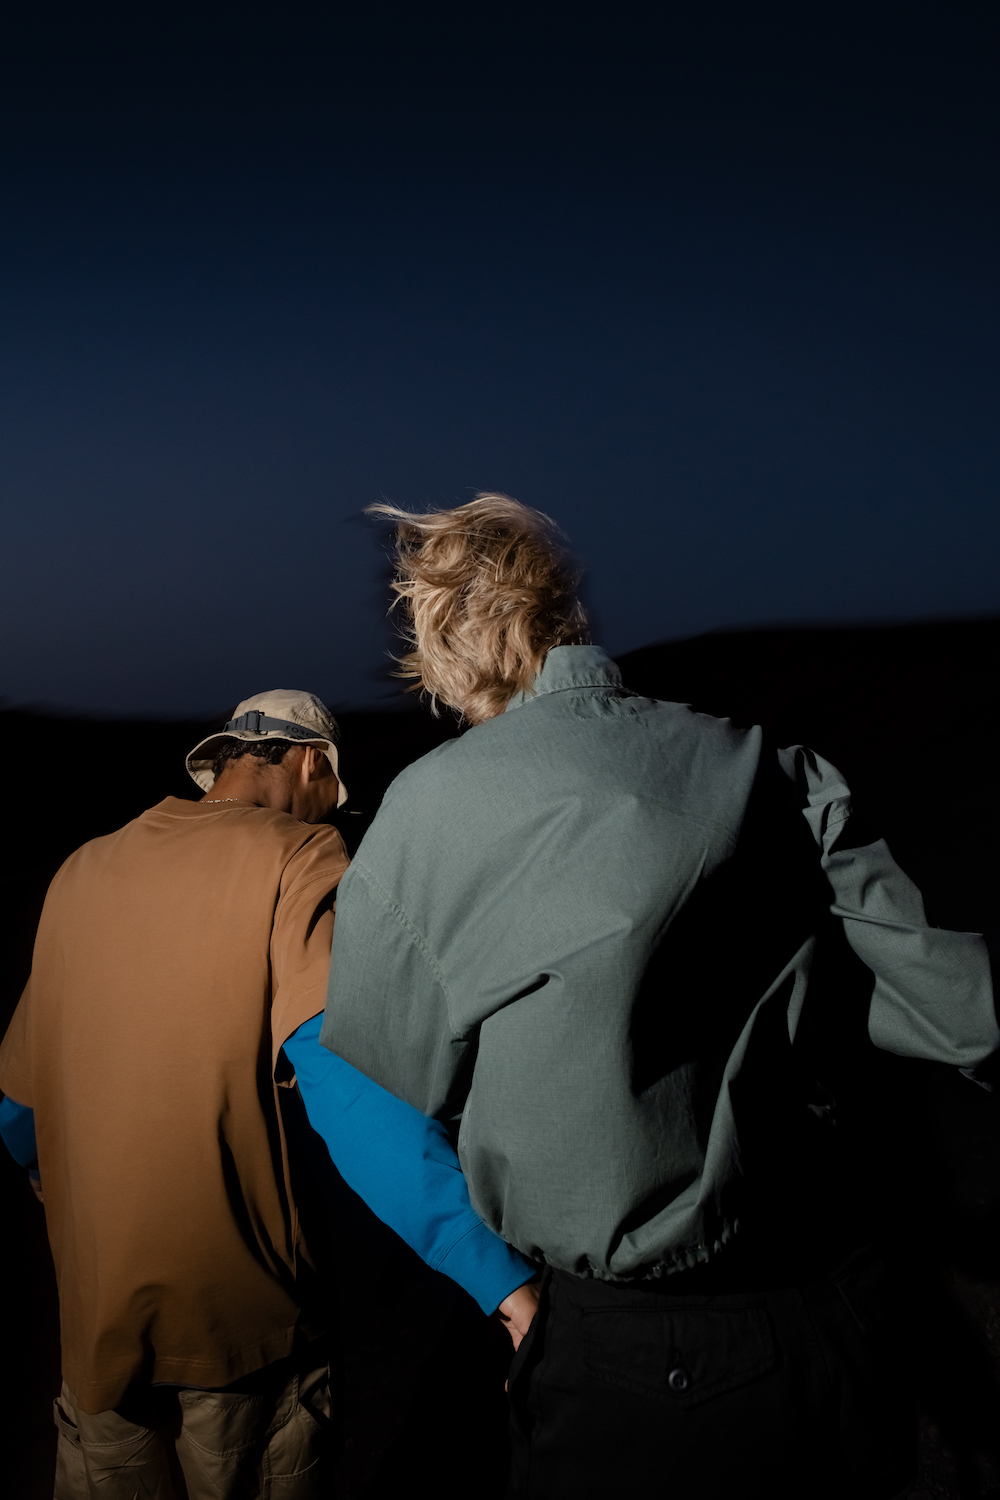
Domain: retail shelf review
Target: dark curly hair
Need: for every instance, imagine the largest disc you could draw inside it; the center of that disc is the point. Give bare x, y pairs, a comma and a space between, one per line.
271, 752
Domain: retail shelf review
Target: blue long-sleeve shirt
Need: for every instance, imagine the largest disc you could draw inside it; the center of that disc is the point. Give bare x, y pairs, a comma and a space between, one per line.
405, 1168
400, 1162
17, 1127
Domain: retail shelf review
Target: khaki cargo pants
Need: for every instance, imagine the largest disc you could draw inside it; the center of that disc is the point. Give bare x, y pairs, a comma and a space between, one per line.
268, 1437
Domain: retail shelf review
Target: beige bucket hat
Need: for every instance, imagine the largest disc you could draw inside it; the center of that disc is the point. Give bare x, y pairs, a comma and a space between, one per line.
280, 715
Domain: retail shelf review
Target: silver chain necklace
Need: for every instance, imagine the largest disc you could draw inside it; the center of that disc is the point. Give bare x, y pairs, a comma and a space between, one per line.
222, 799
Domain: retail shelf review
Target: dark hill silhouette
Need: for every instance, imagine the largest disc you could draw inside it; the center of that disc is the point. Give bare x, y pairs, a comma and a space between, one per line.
909, 713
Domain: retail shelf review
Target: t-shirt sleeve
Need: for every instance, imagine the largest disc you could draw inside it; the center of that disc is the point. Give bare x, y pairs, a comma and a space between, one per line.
15, 1054
405, 1168
387, 1005
302, 932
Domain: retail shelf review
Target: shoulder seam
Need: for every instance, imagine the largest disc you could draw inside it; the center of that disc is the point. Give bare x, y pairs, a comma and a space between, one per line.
405, 921
314, 835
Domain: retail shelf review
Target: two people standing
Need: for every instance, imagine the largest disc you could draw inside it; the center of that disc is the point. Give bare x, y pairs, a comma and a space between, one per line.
619, 940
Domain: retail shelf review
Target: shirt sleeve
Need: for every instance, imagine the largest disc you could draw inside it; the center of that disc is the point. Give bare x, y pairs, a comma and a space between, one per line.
933, 992
15, 1053
303, 930
17, 1128
379, 956
405, 1168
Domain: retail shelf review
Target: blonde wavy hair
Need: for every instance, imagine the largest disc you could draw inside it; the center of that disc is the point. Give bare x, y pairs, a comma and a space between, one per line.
487, 590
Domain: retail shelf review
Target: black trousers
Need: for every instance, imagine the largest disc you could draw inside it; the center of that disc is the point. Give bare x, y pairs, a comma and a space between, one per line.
787, 1392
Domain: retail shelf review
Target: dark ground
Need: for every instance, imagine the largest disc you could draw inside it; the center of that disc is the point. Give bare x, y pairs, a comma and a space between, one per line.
910, 715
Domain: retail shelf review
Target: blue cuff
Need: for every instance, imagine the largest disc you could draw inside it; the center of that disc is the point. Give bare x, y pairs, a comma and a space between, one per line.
485, 1265
405, 1168
17, 1127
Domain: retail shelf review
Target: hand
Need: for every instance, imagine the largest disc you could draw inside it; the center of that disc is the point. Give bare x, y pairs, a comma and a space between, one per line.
36, 1185
517, 1311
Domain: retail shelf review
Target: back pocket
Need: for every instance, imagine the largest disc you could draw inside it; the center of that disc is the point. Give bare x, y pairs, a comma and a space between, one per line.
681, 1355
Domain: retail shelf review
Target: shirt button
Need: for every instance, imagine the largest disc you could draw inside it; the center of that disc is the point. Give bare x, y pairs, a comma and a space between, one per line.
679, 1380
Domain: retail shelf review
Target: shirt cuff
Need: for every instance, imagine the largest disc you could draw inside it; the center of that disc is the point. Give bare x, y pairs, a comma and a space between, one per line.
485, 1265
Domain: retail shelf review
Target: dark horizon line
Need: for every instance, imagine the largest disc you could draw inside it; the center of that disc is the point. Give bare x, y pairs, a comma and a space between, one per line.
825, 624
408, 702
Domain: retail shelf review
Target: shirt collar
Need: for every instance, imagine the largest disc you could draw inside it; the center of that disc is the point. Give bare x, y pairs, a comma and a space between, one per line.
571, 667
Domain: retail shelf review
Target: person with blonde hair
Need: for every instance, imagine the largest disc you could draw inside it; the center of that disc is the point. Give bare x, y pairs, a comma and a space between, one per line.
489, 591
622, 941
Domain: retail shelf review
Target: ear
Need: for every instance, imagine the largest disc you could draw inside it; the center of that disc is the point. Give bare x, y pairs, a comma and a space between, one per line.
315, 764
307, 766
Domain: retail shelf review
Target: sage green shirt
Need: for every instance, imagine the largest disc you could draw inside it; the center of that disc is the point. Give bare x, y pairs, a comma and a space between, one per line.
593, 925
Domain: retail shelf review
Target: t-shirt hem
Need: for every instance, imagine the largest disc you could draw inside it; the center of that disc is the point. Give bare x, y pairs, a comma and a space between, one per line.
93, 1396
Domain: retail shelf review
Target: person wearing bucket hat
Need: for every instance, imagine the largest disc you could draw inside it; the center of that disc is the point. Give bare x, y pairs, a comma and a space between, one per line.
177, 987
269, 720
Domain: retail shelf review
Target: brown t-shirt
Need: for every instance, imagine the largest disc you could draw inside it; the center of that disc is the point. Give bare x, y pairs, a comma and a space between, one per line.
172, 960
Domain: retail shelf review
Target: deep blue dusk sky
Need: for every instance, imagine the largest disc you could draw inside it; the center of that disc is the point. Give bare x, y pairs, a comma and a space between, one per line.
720, 295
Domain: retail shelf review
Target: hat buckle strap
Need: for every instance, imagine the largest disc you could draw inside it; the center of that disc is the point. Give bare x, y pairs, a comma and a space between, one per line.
257, 723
